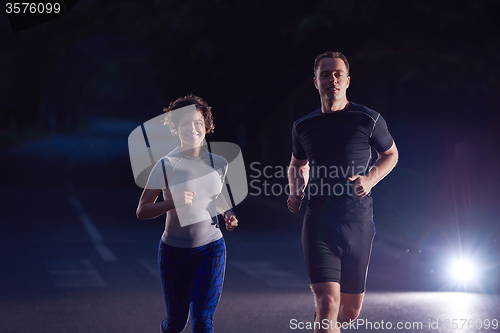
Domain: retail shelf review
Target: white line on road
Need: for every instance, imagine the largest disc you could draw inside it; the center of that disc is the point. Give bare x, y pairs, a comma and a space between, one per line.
92, 231
74, 274
151, 267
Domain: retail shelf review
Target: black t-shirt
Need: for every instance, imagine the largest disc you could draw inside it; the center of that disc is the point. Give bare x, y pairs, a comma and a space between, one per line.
339, 145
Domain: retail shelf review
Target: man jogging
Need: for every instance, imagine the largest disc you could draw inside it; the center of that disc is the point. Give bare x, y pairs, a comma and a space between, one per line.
332, 147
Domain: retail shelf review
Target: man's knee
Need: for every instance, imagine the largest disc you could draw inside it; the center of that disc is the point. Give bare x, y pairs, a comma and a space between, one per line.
327, 301
350, 313
350, 306
327, 296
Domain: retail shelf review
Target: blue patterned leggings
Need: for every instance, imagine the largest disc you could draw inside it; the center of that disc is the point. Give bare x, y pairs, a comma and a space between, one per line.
192, 280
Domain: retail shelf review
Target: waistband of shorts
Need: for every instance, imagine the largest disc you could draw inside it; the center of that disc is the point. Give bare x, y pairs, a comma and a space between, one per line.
217, 242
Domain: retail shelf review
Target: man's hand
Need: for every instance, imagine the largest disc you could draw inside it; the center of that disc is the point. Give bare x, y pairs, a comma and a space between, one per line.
295, 201
383, 165
231, 220
361, 186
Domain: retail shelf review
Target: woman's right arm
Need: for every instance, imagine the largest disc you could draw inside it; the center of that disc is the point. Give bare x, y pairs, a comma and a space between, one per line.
148, 208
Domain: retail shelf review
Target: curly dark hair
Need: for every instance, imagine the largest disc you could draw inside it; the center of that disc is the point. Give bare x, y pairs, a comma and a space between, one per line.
172, 118
332, 55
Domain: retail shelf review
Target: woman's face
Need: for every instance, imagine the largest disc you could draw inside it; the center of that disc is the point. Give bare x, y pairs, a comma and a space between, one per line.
192, 129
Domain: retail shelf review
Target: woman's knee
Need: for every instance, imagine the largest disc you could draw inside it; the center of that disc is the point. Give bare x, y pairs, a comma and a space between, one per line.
173, 325
202, 325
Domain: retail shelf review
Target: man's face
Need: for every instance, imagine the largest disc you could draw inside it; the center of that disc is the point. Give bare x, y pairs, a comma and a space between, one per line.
332, 79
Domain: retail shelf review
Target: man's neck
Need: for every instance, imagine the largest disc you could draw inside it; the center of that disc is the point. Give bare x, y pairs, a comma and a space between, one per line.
333, 106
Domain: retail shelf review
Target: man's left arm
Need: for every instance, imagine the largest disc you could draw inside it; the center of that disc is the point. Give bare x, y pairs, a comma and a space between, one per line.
386, 161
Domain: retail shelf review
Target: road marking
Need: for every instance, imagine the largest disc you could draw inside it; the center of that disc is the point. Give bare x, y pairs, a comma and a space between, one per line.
151, 267
92, 231
74, 274
269, 273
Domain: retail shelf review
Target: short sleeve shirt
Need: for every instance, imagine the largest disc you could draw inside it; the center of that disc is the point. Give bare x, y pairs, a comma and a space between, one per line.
190, 226
339, 145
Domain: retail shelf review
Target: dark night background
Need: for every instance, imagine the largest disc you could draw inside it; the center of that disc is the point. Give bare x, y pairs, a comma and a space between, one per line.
431, 68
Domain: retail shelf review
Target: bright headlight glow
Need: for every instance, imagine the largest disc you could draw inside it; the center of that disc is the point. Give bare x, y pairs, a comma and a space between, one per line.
463, 270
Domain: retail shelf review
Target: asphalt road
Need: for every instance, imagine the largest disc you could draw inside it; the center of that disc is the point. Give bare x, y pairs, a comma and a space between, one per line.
74, 258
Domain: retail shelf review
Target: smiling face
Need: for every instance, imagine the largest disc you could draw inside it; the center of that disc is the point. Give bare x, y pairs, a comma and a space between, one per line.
191, 129
332, 80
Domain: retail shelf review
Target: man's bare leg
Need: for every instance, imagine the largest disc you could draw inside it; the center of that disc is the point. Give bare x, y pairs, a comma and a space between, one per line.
327, 306
350, 306
327, 299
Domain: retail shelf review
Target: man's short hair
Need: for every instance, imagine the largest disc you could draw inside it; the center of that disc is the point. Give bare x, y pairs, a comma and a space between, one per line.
172, 118
332, 55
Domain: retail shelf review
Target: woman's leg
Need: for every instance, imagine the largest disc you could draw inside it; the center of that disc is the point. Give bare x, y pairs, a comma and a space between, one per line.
207, 284
174, 269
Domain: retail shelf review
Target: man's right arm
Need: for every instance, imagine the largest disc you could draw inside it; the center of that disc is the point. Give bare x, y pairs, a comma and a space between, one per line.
298, 176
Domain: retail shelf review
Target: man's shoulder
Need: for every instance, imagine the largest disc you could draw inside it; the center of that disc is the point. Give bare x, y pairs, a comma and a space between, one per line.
358, 108
309, 116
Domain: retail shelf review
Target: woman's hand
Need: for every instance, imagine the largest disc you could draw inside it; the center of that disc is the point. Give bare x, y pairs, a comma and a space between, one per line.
231, 220
182, 199
187, 198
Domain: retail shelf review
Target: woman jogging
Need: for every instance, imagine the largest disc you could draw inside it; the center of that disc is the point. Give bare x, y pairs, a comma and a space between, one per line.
192, 252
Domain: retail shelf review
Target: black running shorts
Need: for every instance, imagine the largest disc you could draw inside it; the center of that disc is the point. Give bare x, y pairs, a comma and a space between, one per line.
337, 252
